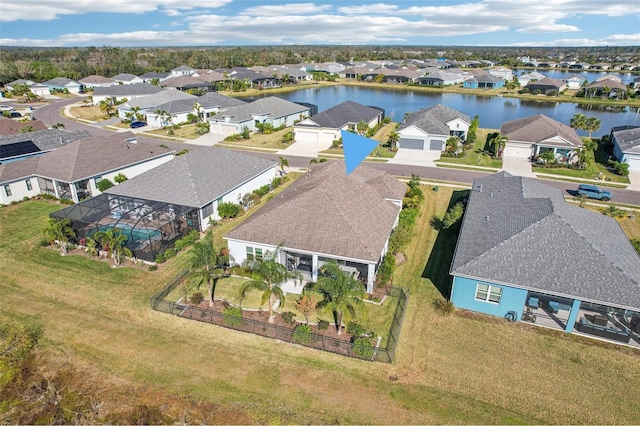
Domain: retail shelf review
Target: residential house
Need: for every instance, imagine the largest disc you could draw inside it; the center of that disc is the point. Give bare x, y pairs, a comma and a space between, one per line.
152, 76
484, 81
40, 90
72, 171
609, 87
530, 77
11, 127
62, 84
546, 86
156, 208
183, 70
325, 127
151, 103
626, 145
124, 92
254, 79
18, 146
352, 206
96, 81
187, 82
636, 83
579, 66
125, 78
275, 111
210, 104
440, 78
601, 66
502, 72
429, 128
20, 81
575, 81
547, 64
531, 136
524, 253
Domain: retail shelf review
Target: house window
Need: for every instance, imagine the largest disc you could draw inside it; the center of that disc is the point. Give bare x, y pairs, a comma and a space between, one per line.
207, 210
488, 293
7, 190
254, 253
29, 186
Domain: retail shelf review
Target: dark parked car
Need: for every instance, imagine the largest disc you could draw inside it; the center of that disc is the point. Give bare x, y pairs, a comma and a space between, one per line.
15, 114
592, 191
136, 124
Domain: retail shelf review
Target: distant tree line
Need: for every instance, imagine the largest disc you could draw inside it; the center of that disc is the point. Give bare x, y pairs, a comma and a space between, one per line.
41, 63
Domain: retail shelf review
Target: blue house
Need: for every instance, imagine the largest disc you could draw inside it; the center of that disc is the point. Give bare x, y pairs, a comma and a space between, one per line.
484, 81
527, 255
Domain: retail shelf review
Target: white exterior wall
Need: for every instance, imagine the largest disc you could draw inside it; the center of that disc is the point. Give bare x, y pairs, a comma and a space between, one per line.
129, 171
19, 190
73, 88
413, 132
458, 125
238, 250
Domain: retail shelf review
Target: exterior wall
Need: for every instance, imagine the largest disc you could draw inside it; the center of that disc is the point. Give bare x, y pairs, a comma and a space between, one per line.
19, 190
413, 132
238, 249
463, 296
458, 125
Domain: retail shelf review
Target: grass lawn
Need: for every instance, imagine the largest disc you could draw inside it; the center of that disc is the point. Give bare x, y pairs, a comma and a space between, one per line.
455, 369
262, 141
187, 131
475, 156
91, 113
382, 135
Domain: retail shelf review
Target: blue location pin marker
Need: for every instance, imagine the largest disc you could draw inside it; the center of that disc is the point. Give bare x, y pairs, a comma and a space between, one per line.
356, 148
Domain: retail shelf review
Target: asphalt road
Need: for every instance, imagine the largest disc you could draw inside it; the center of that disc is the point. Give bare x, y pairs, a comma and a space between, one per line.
50, 114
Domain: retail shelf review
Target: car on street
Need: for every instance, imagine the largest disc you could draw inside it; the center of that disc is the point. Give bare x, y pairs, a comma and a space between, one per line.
15, 114
6, 108
136, 124
592, 191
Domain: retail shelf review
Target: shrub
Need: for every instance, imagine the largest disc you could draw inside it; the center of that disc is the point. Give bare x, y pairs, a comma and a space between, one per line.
245, 133
169, 253
408, 216
289, 317
446, 307
621, 169
323, 324
197, 298
262, 191
400, 237
229, 210
355, 329
276, 182
302, 334
385, 271
153, 267
104, 184
120, 177
232, 316
160, 258
452, 215
636, 244
362, 347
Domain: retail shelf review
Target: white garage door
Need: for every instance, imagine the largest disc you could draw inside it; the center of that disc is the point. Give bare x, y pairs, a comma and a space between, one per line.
223, 129
306, 136
411, 143
519, 151
634, 163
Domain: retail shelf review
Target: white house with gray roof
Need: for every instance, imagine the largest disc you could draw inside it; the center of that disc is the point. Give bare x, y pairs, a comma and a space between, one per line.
152, 102
276, 111
210, 104
119, 92
325, 127
325, 215
524, 253
429, 128
626, 146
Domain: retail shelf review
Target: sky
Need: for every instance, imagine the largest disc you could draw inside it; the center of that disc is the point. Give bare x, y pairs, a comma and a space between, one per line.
342, 22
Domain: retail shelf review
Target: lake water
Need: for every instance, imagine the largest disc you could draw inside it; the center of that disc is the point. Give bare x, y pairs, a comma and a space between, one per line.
492, 110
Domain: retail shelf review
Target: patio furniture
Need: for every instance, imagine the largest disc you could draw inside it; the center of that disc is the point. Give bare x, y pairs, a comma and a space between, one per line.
597, 330
533, 302
528, 315
553, 306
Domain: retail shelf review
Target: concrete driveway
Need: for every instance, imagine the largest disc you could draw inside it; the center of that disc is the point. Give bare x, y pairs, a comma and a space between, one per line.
634, 178
303, 149
415, 157
517, 166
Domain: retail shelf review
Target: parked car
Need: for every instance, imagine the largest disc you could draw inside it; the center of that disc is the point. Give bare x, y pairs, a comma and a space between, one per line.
15, 114
6, 108
136, 124
592, 191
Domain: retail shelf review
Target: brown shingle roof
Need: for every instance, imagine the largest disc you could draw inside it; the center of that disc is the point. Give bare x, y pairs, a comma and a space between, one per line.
328, 212
9, 126
539, 128
18, 169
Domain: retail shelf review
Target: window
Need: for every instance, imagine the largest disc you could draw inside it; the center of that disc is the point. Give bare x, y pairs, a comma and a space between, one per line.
7, 190
254, 253
207, 210
488, 293
29, 186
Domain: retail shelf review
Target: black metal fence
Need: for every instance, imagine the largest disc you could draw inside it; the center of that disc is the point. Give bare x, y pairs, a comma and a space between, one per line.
316, 341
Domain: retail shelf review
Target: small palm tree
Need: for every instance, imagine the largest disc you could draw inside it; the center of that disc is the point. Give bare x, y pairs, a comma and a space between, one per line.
283, 163
341, 292
592, 124
204, 267
452, 144
578, 121
58, 232
113, 241
268, 275
394, 138
362, 127
498, 142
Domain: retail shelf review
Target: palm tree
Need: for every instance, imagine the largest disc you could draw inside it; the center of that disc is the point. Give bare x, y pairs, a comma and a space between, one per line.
452, 144
268, 274
578, 121
113, 241
498, 142
362, 127
283, 162
106, 106
58, 232
592, 124
199, 112
341, 292
394, 138
136, 113
204, 267
163, 115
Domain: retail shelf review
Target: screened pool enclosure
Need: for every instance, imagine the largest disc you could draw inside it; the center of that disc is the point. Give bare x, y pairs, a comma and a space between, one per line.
150, 226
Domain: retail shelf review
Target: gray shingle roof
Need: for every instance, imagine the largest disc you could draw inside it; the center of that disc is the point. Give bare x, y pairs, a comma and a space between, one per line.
96, 79
628, 140
60, 81
272, 106
124, 77
213, 99
520, 232
343, 114
196, 178
44, 140
157, 99
328, 212
138, 89
433, 119
540, 128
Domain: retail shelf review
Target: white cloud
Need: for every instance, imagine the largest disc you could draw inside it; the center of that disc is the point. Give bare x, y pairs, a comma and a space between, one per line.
51, 9
285, 9
611, 40
550, 28
369, 9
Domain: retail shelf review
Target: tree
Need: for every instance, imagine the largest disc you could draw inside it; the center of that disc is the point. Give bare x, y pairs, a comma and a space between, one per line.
394, 138
578, 121
362, 127
472, 134
164, 117
305, 305
113, 241
199, 112
268, 274
136, 113
498, 142
58, 126
592, 124
283, 163
58, 232
452, 144
341, 292
107, 107
204, 266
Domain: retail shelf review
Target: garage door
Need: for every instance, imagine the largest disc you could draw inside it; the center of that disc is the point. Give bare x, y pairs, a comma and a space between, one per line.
435, 146
519, 151
224, 129
634, 163
306, 136
411, 144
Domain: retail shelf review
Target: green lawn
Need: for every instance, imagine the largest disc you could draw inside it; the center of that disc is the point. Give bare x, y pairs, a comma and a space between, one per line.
476, 155
263, 141
455, 369
380, 151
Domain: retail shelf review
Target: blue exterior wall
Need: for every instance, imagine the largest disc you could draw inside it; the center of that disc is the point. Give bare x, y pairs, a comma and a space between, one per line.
463, 295
470, 84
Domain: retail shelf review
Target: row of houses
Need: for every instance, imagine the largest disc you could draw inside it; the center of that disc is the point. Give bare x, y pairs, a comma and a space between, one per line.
579, 66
